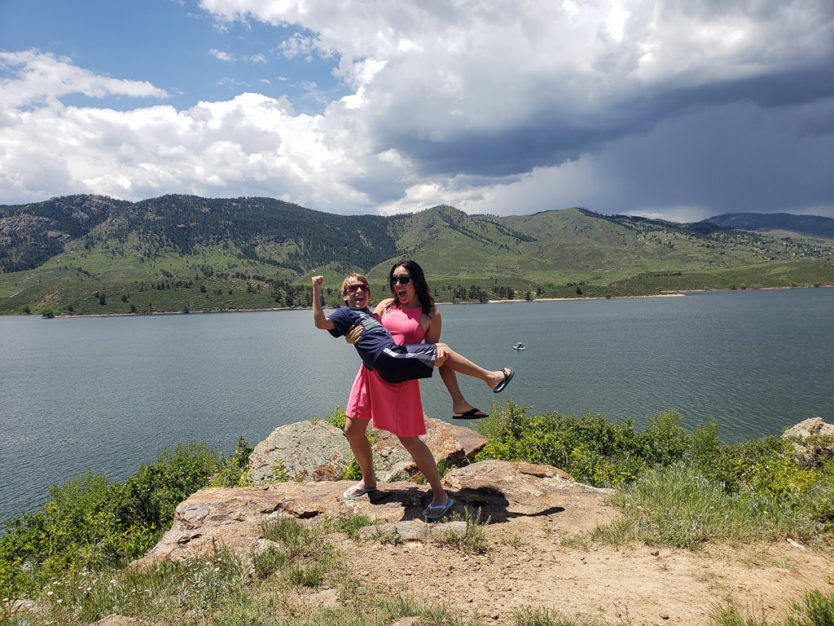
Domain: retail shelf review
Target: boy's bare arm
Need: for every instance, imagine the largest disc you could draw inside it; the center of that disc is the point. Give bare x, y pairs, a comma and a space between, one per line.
319, 318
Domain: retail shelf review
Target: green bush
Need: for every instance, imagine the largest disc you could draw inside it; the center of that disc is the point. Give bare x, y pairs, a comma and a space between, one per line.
678, 506
150, 496
337, 418
591, 448
234, 470
683, 484
91, 522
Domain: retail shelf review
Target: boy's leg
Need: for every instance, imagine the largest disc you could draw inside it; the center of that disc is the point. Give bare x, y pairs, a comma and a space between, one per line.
459, 363
360, 446
459, 403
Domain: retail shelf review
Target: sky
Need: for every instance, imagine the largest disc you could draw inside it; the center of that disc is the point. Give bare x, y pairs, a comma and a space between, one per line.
677, 110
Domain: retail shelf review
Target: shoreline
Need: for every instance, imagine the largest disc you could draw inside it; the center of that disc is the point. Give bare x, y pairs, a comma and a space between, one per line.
663, 294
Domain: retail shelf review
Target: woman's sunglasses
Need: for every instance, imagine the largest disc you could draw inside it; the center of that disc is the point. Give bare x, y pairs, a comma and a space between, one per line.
355, 288
403, 280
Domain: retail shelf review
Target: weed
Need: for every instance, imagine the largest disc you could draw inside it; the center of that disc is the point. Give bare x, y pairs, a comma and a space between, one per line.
815, 609
473, 539
547, 617
350, 525
300, 553
679, 507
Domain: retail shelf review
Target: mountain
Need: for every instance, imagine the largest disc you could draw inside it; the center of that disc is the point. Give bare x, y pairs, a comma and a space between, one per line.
91, 254
812, 225
33, 233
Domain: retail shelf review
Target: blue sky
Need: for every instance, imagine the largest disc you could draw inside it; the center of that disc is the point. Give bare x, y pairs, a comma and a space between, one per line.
672, 109
176, 47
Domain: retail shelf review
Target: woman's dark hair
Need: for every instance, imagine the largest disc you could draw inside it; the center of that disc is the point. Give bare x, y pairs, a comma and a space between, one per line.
420, 284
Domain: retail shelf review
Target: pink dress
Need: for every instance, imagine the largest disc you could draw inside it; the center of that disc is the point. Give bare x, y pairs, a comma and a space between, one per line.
395, 407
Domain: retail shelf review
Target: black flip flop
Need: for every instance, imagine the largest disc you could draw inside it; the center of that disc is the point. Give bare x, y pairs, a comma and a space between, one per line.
471, 414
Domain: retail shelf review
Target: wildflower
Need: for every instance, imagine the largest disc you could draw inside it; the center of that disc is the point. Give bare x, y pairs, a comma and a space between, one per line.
60, 600
49, 593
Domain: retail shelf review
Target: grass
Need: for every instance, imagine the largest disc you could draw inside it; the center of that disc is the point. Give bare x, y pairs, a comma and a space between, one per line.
814, 609
351, 525
299, 553
547, 617
695, 490
219, 590
678, 507
473, 539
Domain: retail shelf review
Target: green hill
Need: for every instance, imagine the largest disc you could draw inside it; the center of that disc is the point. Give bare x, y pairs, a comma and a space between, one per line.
90, 254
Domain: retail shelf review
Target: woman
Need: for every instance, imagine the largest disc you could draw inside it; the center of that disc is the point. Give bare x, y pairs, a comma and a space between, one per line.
411, 317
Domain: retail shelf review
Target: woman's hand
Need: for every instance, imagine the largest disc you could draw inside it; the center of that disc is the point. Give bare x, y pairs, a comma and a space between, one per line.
354, 334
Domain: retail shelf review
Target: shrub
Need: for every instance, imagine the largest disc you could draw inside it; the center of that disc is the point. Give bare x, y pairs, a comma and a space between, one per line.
680, 482
234, 470
591, 448
150, 496
337, 418
92, 522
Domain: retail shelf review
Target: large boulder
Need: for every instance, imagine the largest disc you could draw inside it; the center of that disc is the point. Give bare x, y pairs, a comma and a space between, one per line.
812, 439
319, 451
301, 451
234, 518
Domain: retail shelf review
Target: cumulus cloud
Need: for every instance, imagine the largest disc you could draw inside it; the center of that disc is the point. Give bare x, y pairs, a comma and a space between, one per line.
43, 78
507, 107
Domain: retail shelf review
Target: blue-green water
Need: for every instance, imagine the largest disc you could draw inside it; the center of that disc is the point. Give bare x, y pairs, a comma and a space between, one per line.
107, 394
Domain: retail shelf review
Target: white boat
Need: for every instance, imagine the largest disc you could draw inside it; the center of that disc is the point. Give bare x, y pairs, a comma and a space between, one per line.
519, 346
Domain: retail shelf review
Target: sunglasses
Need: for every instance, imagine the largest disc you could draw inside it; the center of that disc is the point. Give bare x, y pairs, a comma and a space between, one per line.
355, 288
403, 280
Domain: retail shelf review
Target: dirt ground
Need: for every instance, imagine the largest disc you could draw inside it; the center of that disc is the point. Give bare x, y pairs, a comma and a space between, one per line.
532, 563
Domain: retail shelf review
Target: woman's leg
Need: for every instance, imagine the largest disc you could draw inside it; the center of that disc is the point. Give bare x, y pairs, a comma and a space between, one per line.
361, 448
422, 456
448, 357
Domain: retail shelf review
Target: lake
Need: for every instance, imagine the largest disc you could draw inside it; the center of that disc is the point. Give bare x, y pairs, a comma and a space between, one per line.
105, 395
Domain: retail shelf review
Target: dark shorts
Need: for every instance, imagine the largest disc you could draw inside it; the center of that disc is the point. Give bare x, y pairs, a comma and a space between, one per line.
408, 362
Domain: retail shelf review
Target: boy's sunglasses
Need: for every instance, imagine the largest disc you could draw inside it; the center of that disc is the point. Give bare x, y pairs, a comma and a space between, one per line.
403, 280
355, 288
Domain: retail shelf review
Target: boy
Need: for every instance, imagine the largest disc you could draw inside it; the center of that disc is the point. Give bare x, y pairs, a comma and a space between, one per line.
378, 349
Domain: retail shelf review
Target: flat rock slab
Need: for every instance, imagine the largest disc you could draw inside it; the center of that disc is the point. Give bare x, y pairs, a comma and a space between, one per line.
233, 518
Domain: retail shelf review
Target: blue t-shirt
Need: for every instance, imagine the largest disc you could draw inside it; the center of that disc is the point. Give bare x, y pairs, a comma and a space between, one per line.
375, 337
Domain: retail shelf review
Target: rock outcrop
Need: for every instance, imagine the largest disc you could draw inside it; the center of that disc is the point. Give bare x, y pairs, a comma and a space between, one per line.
812, 439
302, 451
319, 451
234, 518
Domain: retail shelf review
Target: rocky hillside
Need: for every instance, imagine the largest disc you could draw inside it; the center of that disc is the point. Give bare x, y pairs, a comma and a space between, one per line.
89, 254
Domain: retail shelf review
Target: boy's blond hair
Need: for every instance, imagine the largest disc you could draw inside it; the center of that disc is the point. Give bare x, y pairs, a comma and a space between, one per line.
358, 277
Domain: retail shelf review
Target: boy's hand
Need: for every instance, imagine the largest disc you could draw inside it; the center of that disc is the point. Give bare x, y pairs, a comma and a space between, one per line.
318, 281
